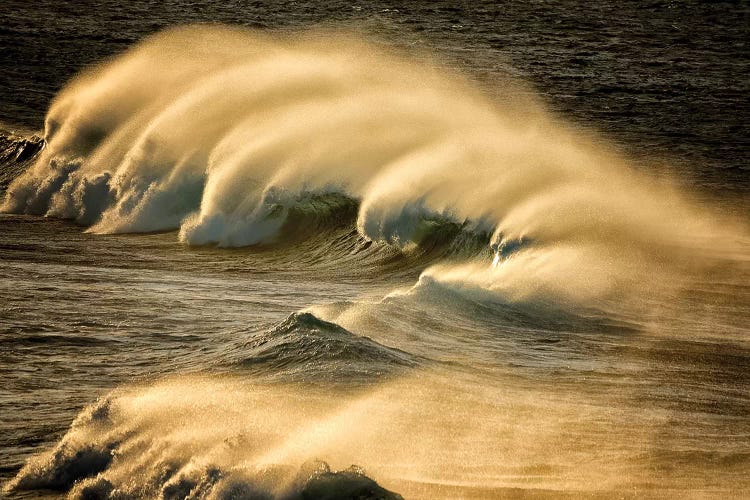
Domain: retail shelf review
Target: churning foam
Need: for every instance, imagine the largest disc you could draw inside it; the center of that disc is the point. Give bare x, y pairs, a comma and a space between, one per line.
219, 131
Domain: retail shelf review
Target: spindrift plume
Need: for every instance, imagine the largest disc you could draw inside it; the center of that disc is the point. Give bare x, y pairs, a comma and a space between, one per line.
221, 132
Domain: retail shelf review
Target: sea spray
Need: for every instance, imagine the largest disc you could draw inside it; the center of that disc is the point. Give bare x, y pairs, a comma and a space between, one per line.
212, 437
222, 132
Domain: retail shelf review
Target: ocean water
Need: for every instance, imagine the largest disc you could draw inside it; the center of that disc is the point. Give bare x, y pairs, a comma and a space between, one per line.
349, 250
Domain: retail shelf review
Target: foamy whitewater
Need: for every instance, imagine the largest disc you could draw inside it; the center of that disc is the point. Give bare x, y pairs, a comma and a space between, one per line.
434, 291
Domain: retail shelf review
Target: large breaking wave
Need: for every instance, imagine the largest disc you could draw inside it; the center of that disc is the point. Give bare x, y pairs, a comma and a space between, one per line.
236, 138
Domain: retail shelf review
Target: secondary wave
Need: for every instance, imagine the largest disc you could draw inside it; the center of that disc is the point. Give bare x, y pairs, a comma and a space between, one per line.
157, 442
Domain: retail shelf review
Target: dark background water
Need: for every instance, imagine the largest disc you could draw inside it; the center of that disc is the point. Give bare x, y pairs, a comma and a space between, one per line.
666, 80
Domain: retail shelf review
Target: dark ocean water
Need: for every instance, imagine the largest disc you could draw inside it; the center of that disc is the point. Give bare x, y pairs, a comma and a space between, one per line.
288, 288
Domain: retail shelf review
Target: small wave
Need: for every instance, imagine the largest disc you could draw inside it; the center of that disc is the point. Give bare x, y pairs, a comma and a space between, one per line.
22, 337
304, 346
70, 460
533, 313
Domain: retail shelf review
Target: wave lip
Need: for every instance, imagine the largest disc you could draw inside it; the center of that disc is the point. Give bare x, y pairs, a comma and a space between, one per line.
281, 216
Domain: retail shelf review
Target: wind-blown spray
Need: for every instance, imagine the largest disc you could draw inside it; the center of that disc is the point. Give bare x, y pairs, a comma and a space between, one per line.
220, 132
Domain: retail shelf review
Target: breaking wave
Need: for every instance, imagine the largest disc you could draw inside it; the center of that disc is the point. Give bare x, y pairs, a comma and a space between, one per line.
242, 138
154, 443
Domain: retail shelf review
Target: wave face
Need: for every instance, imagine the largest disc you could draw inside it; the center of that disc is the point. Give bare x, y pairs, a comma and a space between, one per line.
237, 133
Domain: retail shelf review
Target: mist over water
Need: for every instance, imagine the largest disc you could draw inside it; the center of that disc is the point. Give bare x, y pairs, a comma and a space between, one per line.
340, 269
